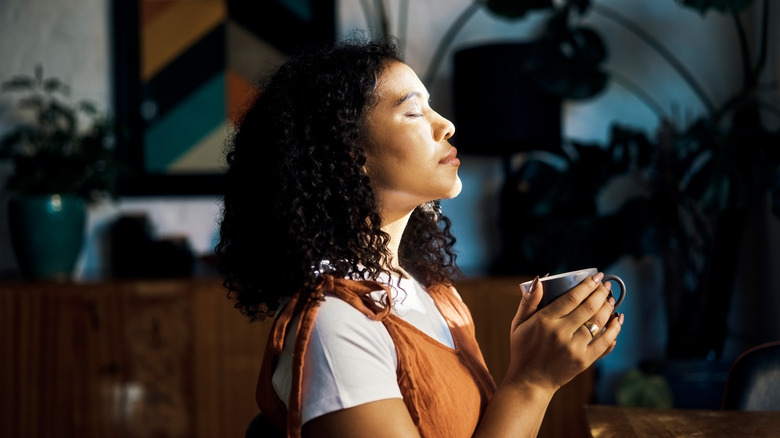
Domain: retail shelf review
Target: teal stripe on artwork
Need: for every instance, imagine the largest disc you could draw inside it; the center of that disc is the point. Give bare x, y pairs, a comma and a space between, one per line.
185, 125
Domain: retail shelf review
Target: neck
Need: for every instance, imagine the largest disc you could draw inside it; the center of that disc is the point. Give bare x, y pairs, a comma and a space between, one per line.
395, 227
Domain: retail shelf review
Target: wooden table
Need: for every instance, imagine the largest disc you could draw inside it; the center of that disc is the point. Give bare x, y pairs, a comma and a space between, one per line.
626, 422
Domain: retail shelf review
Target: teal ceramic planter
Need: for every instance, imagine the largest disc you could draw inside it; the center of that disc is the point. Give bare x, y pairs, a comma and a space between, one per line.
47, 234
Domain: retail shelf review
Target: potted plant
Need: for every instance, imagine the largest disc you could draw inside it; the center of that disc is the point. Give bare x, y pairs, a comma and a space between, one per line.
62, 160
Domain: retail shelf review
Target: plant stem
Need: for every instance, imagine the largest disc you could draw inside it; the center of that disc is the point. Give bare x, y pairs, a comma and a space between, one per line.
763, 49
750, 75
658, 47
447, 39
747, 76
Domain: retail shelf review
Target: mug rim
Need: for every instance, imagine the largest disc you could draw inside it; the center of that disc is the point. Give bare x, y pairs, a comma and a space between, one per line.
564, 274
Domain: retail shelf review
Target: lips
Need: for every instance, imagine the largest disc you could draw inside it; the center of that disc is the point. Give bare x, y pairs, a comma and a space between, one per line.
451, 158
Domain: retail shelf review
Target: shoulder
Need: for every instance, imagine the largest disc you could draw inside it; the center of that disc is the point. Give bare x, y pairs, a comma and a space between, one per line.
350, 360
338, 322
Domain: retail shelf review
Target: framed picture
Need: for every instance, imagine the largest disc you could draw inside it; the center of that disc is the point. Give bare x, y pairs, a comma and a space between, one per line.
183, 72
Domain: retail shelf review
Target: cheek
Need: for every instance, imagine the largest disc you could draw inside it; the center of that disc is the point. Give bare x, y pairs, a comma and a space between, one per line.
377, 169
386, 158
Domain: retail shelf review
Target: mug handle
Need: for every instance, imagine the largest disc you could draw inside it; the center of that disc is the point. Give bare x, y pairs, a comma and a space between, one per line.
619, 281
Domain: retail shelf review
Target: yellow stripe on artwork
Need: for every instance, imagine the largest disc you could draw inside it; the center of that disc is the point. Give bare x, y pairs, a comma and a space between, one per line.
173, 31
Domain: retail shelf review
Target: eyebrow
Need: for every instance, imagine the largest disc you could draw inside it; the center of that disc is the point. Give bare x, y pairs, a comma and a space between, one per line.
408, 96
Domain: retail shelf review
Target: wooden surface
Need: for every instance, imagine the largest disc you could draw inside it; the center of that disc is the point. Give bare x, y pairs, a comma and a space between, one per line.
167, 358
173, 358
625, 422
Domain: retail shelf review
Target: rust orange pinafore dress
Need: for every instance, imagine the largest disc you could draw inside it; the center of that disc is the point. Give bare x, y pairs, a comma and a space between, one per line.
446, 390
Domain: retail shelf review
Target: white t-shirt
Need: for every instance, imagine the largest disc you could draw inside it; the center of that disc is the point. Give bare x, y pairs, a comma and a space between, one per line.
351, 360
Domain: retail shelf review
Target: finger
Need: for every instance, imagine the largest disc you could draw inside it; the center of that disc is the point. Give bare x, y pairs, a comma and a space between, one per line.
600, 319
593, 328
606, 341
569, 301
588, 331
592, 307
528, 302
609, 350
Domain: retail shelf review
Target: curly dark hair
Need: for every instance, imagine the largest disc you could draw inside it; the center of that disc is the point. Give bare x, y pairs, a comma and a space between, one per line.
297, 200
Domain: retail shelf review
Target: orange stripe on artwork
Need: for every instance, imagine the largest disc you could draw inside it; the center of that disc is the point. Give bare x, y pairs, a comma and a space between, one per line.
239, 94
173, 30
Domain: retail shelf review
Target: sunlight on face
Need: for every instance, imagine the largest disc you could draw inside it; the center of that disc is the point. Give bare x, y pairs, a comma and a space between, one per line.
409, 158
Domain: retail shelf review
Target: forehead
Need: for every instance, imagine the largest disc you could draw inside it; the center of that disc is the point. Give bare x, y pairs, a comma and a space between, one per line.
397, 81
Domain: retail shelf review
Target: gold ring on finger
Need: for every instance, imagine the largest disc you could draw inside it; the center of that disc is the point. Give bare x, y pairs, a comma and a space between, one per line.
592, 327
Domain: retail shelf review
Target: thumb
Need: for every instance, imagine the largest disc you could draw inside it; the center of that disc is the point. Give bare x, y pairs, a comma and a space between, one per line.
528, 303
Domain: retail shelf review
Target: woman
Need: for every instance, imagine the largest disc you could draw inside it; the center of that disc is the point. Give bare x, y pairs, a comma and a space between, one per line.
331, 224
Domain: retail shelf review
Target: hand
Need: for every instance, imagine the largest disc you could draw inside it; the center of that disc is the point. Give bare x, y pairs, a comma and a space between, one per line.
551, 346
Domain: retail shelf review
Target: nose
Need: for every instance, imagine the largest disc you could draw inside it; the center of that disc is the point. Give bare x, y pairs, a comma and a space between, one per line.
443, 129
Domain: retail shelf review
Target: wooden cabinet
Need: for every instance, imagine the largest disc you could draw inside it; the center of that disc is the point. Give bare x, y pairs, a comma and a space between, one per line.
172, 358
126, 359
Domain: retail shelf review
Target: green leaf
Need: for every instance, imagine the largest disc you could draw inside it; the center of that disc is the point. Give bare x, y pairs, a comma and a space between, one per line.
566, 62
34, 102
648, 390
49, 152
18, 83
88, 108
581, 5
54, 85
60, 111
588, 44
721, 5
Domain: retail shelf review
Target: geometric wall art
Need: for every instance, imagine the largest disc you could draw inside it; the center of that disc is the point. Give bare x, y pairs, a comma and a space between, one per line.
184, 71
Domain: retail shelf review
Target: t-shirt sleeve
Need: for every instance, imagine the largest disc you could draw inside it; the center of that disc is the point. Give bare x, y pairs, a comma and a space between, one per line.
350, 360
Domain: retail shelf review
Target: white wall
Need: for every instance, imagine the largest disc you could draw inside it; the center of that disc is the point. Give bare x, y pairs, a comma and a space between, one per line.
71, 39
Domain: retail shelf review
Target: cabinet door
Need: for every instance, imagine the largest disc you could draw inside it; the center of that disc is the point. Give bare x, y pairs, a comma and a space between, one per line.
164, 358
62, 355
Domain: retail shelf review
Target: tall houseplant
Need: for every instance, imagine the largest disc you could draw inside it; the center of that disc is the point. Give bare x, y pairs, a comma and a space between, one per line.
58, 167
698, 183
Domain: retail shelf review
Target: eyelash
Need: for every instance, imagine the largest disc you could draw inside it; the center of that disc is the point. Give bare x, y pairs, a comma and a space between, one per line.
414, 115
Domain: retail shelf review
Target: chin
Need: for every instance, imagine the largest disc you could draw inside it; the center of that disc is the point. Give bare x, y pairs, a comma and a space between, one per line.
456, 188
